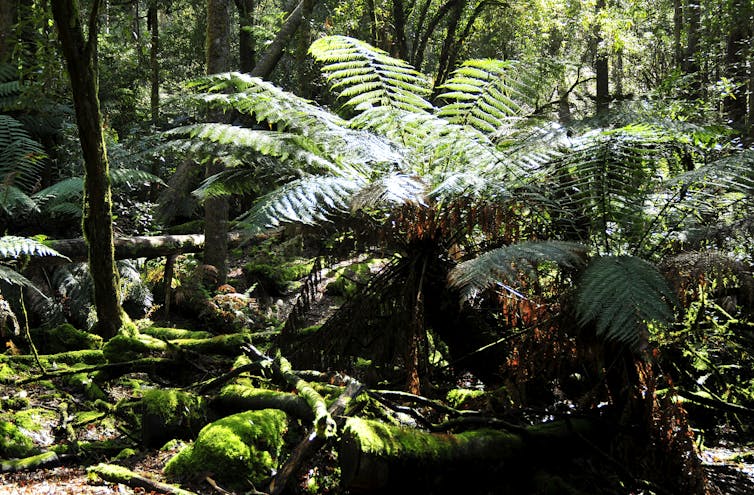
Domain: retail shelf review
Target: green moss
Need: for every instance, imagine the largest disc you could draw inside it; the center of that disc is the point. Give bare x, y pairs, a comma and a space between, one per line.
34, 419
64, 338
175, 407
459, 397
175, 333
349, 279
86, 356
234, 449
14, 403
125, 454
13, 442
85, 383
123, 348
7, 375
377, 438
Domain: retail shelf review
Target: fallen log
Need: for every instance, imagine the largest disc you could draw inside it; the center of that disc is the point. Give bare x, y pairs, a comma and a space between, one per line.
376, 457
144, 246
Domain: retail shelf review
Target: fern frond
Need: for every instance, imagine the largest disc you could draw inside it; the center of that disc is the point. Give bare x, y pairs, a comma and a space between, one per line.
14, 247
507, 265
21, 158
132, 177
61, 191
622, 295
12, 277
369, 77
390, 190
309, 200
485, 93
15, 202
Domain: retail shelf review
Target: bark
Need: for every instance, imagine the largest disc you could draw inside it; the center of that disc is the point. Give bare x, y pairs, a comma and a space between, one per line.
81, 60
677, 30
601, 68
417, 58
45, 459
7, 19
274, 52
691, 57
216, 209
400, 48
738, 52
239, 398
246, 46
303, 60
444, 65
154, 64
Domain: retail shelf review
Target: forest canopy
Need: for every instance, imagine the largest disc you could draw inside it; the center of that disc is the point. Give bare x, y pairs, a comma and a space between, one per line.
377, 246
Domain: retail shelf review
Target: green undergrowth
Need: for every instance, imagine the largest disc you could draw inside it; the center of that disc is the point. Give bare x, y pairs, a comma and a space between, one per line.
64, 338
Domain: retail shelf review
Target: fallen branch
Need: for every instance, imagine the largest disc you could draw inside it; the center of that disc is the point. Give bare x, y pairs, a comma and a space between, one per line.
313, 442
119, 474
28, 463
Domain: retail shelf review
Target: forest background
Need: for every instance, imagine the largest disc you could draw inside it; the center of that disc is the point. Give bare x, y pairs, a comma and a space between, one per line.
524, 225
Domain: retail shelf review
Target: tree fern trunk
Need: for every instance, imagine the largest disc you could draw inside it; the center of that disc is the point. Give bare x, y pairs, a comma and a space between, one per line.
246, 47
154, 64
7, 19
81, 60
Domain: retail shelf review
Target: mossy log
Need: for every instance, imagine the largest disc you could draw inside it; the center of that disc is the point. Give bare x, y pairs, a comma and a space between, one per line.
127, 348
143, 246
119, 474
44, 459
238, 398
323, 422
171, 413
377, 457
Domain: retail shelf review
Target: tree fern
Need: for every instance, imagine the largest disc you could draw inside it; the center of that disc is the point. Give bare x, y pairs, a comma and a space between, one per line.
10, 87
366, 76
310, 200
486, 94
507, 265
16, 247
622, 296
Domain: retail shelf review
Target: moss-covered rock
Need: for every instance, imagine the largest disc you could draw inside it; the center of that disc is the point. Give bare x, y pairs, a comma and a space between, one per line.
171, 413
14, 442
7, 375
85, 383
64, 338
235, 449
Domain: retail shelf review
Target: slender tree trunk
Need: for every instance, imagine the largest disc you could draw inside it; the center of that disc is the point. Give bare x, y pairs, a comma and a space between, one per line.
216, 209
737, 59
677, 30
7, 19
417, 58
304, 62
400, 48
371, 21
274, 52
246, 44
81, 60
444, 67
601, 70
691, 57
154, 64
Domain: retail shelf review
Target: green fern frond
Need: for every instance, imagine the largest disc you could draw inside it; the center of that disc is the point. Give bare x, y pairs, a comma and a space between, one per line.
61, 191
12, 247
369, 77
485, 93
15, 202
621, 296
507, 265
12, 277
390, 190
21, 158
133, 177
310, 200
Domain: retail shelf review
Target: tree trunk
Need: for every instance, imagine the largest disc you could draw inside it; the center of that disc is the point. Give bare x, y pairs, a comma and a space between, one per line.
677, 29
274, 52
246, 44
304, 62
690, 58
737, 53
400, 49
81, 60
444, 65
601, 67
7, 19
216, 209
154, 64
